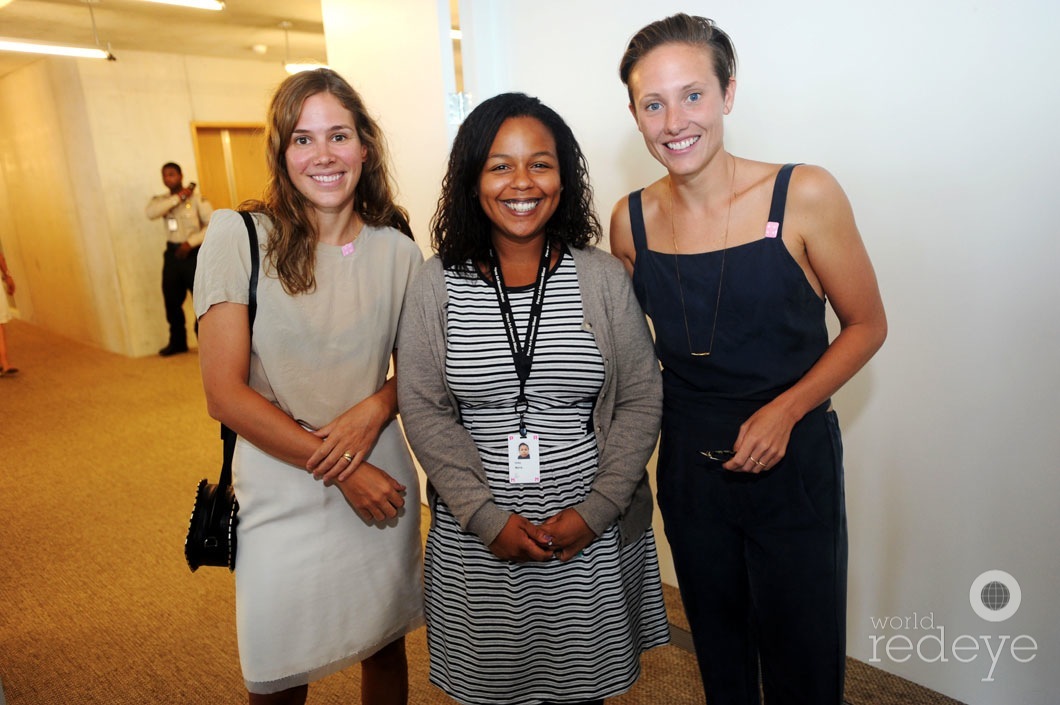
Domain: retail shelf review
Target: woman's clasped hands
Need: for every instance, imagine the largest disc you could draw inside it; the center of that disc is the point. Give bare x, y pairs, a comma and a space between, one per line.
346, 443
560, 537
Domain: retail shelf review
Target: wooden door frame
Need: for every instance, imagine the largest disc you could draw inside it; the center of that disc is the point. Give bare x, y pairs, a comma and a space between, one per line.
225, 125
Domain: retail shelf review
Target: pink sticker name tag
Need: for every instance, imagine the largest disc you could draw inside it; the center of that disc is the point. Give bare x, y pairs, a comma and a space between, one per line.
348, 248
772, 229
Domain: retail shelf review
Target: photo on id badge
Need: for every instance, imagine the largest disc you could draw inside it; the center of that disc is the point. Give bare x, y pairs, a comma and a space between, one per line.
523, 463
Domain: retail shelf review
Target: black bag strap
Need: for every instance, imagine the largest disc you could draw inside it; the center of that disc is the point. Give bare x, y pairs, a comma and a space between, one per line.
227, 434
252, 235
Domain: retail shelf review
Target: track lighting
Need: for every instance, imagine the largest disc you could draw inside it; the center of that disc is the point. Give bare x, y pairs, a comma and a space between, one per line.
195, 4
34, 47
21, 45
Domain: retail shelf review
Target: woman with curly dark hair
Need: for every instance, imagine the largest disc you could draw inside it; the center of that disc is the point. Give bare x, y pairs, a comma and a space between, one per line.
541, 577
461, 228
328, 566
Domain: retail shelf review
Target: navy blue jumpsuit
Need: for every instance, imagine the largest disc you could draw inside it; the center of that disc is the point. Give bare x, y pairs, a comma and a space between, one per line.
761, 559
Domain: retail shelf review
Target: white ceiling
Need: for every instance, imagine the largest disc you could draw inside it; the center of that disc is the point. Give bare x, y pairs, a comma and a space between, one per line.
138, 25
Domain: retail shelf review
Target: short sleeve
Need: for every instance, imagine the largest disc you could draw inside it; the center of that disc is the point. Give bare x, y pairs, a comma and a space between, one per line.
411, 259
223, 269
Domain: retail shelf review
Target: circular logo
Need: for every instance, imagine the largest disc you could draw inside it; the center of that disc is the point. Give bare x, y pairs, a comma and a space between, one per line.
995, 596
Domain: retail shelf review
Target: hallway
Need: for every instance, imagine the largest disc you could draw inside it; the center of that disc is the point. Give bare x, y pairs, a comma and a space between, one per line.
99, 458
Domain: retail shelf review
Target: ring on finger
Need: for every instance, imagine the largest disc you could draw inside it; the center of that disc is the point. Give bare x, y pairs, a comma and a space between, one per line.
759, 464
347, 456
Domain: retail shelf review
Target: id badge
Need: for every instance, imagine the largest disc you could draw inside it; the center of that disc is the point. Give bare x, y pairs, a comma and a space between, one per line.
171, 224
524, 465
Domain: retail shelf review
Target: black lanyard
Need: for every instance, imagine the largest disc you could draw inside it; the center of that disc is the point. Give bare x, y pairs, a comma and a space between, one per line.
522, 355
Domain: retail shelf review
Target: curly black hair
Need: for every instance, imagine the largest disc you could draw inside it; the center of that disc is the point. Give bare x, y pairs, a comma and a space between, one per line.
460, 230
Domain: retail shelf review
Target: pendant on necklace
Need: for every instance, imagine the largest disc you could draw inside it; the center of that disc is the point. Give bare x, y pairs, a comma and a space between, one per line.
721, 270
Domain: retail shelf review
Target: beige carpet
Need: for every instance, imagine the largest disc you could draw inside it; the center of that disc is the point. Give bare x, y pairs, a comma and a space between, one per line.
99, 458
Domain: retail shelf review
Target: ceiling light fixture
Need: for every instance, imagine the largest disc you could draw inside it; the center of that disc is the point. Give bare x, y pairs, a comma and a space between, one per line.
294, 67
33, 47
8, 44
195, 4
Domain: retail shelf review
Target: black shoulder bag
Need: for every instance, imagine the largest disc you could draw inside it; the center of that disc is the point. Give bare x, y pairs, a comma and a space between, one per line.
211, 536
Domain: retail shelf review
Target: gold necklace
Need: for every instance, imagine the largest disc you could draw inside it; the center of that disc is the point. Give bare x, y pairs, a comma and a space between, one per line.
721, 272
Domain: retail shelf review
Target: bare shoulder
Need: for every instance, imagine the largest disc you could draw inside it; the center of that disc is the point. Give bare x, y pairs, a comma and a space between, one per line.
752, 174
620, 234
753, 184
818, 207
620, 212
814, 187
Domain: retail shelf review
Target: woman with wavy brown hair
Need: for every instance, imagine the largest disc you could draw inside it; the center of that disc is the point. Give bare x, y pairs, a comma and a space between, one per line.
328, 564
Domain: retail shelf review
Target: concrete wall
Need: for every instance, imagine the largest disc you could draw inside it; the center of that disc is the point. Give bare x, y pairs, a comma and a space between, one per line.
45, 244
83, 143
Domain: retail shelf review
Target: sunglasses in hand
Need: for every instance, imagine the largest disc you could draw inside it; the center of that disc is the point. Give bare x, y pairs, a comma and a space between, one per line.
720, 456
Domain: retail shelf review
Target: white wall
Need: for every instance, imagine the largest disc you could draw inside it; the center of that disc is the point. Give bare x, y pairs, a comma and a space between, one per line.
391, 52
940, 121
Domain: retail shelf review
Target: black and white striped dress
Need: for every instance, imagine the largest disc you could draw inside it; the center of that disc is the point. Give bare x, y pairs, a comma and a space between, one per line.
502, 632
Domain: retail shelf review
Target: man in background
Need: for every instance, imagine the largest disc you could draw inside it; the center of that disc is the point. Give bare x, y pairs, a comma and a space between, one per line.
185, 215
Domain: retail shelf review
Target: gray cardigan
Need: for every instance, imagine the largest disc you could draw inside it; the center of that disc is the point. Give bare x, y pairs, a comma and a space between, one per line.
626, 416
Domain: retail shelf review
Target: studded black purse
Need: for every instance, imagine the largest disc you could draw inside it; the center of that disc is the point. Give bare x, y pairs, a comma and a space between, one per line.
211, 538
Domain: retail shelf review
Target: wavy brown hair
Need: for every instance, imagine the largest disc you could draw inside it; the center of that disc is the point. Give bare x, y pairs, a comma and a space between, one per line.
292, 241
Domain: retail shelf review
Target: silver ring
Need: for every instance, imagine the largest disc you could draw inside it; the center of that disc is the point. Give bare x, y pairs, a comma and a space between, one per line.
348, 457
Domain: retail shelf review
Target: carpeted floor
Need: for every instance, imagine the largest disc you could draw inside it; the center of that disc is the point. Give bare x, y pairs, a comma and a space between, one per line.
99, 458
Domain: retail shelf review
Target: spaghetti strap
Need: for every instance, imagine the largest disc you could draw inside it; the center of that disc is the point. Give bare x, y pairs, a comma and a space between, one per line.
636, 222
775, 227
